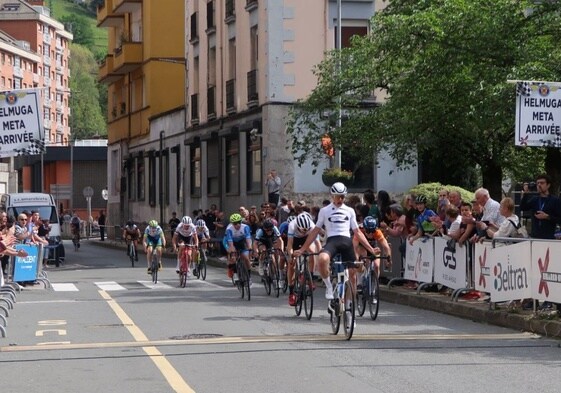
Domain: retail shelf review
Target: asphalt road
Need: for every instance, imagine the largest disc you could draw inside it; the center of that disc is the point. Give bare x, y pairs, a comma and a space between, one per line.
104, 328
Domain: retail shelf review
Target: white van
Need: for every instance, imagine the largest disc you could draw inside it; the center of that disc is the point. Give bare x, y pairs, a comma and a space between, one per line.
15, 204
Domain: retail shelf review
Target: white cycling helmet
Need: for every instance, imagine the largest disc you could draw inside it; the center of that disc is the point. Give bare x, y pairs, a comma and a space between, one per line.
186, 220
200, 223
304, 222
338, 189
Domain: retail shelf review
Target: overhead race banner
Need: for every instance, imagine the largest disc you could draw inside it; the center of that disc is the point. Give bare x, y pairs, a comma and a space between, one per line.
538, 114
22, 123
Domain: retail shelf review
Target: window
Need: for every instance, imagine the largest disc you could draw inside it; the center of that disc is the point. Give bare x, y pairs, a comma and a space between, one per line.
213, 167
210, 15
166, 182
132, 178
178, 172
254, 166
232, 166
196, 171
152, 179
140, 177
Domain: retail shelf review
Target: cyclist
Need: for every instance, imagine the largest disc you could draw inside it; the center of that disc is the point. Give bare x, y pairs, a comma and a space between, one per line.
339, 220
185, 234
153, 237
237, 238
203, 233
131, 233
267, 237
75, 229
298, 231
370, 229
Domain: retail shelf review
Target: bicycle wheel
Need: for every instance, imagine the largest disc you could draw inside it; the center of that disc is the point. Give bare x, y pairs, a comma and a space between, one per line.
335, 314
202, 265
308, 294
299, 291
240, 283
132, 253
155, 269
266, 279
362, 297
244, 279
374, 296
196, 270
182, 279
274, 276
349, 314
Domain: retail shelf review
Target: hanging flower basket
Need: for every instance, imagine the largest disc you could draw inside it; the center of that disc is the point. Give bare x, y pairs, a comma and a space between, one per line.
333, 175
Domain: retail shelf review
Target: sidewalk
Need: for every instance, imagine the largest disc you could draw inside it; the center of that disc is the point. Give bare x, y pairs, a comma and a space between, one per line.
475, 310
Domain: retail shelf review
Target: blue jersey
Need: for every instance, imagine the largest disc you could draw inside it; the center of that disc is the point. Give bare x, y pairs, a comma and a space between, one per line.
154, 233
235, 235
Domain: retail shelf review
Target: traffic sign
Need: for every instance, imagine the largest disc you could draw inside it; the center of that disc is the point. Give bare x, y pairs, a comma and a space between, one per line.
88, 192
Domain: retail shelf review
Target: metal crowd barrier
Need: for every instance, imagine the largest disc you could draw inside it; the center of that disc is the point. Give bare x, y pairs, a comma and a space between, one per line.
507, 269
20, 270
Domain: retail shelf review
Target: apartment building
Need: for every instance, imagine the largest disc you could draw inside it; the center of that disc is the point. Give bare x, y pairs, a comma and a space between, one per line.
245, 63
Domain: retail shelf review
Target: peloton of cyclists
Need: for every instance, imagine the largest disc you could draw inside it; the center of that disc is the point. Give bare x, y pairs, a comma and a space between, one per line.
298, 231
131, 233
153, 237
185, 235
237, 238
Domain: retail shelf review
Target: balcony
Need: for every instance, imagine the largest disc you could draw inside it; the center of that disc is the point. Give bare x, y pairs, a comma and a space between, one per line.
59, 106
47, 38
118, 129
105, 16
211, 103
59, 128
252, 95
36, 78
47, 60
231, 96
105, 73
251, 5
47, 124
126, 6
140, 122
18, 72
128, 57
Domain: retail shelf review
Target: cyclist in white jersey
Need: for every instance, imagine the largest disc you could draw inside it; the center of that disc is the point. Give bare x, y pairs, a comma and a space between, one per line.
298, 231
339, 220
237, 238
153, 237
185, 234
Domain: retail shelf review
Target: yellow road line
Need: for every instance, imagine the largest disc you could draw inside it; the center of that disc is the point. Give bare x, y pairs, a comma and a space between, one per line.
272, 339
171, 375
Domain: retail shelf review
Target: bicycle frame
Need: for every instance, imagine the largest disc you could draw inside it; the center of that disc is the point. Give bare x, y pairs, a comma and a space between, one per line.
344, 302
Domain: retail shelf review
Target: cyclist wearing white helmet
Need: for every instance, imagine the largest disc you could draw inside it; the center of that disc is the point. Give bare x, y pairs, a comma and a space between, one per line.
153, 237
185, 234
339, 220
298, 231
203, 233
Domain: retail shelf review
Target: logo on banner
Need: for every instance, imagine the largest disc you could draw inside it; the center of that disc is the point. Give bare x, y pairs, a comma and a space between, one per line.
484, 270
11, 98
449, 258
546, 276
509, 278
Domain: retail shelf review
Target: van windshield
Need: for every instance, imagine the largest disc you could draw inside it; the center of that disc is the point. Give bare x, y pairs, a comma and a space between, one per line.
44, 212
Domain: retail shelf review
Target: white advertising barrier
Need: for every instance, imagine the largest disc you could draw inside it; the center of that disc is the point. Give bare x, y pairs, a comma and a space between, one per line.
481, 269
449, 264
546, 271
419, 260
510, 269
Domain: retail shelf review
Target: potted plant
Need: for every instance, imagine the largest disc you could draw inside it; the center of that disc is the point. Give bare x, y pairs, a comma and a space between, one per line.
333, 175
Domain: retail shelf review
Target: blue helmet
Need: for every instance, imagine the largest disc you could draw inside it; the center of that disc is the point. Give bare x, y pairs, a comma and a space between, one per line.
370, 224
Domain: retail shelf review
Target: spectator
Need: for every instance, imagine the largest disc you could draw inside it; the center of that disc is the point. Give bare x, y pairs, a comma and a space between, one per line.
443, 203
455, 199
283, 210
273, 184
423, 223
509, 226
453, 216
210, 218
384, 202
173, 223
468, 226
491, 214
545, 208
370, 201
101, 223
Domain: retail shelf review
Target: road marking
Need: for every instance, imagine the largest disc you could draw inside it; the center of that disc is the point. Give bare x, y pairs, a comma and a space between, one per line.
64, 287
109, 286
174, 379
151, 285
272, 339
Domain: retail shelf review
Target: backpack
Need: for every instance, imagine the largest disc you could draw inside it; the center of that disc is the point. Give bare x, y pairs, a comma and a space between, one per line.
520, 232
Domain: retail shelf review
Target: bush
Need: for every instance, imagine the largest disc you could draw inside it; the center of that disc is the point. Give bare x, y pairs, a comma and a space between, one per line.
430, 190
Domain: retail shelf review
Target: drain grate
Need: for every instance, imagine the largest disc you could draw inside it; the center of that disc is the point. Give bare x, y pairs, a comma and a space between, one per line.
195, 336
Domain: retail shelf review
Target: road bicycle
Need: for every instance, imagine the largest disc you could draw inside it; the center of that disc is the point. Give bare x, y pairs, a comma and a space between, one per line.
133, 254
271, 278
199, 259
76, 238
186, 262
303, 286
368, 291
343, 304
242, 282
154, 265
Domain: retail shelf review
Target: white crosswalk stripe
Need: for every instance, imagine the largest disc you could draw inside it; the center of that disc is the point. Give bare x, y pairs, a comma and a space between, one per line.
64, 287
109, 286
151, 285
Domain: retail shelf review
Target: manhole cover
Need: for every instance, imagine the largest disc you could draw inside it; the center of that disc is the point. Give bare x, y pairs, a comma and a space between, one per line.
195, 336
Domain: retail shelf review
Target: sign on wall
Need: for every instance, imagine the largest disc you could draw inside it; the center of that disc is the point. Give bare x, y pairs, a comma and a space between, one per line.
22, 123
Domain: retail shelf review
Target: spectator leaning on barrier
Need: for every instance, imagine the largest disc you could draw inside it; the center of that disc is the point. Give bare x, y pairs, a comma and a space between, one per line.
491, 214
545, 208
509, 226
424, 220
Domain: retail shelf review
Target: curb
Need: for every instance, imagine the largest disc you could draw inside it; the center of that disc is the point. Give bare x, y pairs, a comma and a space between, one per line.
474, 310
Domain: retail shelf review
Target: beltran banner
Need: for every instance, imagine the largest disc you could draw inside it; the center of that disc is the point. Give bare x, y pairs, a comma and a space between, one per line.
22, 123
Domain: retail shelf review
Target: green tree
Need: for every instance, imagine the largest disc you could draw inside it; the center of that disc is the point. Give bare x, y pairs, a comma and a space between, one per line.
444, 66
87, 120
80, 28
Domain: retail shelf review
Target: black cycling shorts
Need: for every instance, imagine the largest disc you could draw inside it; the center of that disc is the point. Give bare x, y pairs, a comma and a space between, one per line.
340, 245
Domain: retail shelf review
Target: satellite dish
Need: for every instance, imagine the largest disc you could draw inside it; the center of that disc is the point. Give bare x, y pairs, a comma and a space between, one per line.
105, 194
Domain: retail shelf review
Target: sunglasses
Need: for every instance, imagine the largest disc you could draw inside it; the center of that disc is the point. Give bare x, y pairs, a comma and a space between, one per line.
23, 219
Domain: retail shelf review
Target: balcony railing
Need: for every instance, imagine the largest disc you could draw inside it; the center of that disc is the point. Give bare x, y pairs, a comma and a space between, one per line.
252, 94
211, 103
231, 95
